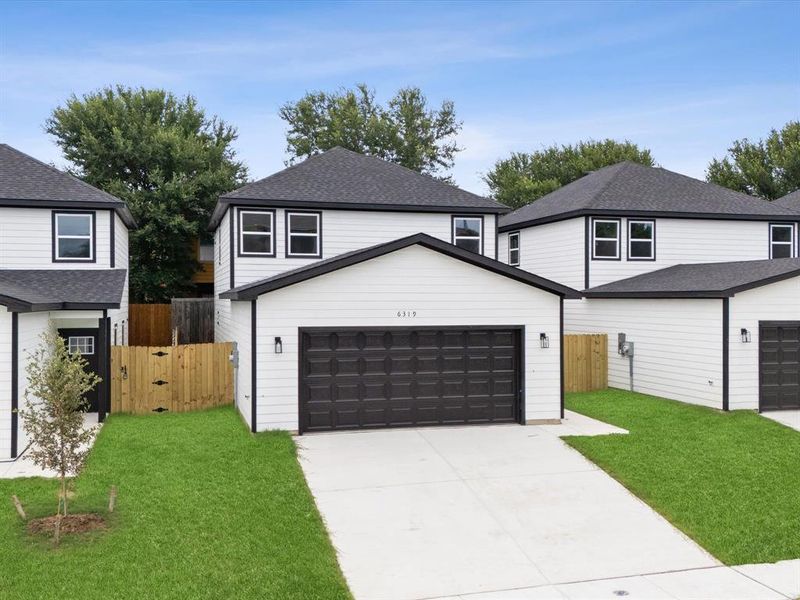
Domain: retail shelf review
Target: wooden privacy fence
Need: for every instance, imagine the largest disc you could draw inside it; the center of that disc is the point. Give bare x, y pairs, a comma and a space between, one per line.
181, 378
150, 324
184, 321
585, 362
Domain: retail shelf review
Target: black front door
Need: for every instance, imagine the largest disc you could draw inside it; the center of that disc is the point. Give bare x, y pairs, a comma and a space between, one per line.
85, 341
779, 365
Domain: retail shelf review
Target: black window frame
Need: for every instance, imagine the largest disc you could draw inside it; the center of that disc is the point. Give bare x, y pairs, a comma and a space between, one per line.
618, 257
54, 236
241, 233
454, 238
514, 234
792, 243
288, 234
652, 241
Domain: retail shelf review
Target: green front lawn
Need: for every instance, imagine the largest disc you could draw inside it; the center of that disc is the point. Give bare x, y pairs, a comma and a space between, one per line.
731, 481
205, 510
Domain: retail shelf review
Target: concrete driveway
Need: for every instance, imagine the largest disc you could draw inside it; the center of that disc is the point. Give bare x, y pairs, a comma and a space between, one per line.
790, 418
446, 512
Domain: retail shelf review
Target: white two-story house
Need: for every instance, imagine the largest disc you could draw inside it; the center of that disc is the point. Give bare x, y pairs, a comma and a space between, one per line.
362, 294
63, 264
701, 279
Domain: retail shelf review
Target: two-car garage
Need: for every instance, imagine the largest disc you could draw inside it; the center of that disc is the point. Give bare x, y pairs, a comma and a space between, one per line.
413, 332
353, 378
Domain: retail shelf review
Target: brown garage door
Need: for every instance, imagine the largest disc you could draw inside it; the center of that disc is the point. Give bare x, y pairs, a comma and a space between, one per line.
401, 377
779, 358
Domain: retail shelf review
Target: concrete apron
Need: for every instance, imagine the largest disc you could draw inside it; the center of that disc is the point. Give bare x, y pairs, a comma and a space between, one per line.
505, 511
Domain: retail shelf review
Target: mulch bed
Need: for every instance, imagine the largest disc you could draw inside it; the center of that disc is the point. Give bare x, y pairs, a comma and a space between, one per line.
80, 523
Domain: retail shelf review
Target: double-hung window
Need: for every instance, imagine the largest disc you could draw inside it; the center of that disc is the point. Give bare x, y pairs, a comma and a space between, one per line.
303, 234
641, 240
781, 240
513, 249
468, 233
605, 239
256, 232
73, 237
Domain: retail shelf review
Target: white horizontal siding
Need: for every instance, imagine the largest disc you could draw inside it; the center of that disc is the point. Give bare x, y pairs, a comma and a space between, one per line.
342, 231
443, 291
554, 251
677, 344
31, 328
119, 318
26, 240
776, 302
681, 241
5, 383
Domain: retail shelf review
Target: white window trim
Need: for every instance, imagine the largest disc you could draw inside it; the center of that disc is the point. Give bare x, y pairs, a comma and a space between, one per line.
81, 342
514, 235
479, 237
652, 239
791, 243
242, 232
616, 240
290, 235
58, 236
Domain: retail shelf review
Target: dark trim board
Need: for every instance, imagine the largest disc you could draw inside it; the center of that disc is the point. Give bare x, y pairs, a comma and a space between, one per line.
561, 349
637, 214
726, 352
53, 215
14, 384
239, 236
231, 249
103, 367
253, 365
219, 211
587, 251
519, 340
112, 258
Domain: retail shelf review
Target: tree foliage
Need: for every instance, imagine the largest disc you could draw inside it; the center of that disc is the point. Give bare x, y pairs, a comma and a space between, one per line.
523, 178
166, 159
405, 131
767, 168
55, 398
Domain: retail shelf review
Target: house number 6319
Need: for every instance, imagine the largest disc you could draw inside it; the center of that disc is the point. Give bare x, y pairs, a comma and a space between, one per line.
406, 314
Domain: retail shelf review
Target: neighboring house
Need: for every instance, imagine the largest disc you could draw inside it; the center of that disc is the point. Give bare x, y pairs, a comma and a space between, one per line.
203, 278
63, 263
790, 201
683, 268
362, 294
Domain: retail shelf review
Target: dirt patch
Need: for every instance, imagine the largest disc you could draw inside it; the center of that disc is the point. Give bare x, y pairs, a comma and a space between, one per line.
80, 523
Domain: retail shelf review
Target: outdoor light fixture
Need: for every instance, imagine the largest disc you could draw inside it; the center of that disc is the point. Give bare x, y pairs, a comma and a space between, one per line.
544, 341
278, 346
745, 336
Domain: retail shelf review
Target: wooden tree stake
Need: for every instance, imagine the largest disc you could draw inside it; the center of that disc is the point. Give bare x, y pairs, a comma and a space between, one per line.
18, 506
112, 498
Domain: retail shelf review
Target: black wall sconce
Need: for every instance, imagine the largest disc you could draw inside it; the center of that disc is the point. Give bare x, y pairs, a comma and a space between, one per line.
745, 336
544, 341
278, 346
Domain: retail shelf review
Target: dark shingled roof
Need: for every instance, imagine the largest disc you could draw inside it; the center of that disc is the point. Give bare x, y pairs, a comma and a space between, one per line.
790, 201
341, 178
705, 280
321, 267
628, 188
54, 289
26, 181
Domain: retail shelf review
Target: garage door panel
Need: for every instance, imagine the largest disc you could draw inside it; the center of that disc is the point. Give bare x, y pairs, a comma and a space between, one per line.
407, 377
779, 366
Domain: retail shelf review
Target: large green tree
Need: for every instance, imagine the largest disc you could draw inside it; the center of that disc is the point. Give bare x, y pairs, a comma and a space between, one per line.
523, 178
405, 131
167, 159
767, 168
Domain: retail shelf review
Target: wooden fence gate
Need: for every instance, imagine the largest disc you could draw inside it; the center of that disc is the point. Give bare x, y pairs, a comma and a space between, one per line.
585, 362
181, 378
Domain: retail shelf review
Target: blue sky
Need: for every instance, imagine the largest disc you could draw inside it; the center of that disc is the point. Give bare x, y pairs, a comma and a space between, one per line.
681, 78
